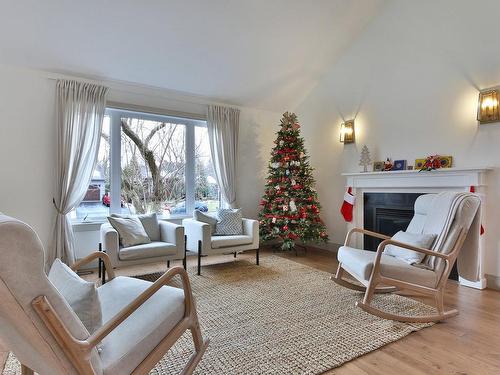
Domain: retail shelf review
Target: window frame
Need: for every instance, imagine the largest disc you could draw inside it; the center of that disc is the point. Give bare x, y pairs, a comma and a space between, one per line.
116, 114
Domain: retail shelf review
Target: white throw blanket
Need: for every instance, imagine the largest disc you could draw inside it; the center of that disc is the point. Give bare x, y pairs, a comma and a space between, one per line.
444, 213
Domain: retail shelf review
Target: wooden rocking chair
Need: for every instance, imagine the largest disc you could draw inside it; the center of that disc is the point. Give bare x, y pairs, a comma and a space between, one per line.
141, 320
381, 273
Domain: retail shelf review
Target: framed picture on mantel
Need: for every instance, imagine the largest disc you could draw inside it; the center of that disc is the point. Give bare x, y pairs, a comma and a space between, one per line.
378, 166
399, 165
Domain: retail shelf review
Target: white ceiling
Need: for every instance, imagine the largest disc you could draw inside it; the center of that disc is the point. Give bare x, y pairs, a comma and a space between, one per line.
259, 53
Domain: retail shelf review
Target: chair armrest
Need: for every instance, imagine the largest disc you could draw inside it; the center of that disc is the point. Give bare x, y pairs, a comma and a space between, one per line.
170, 232
110, 242
89, 258
251, 228
55, 325
197, 231
363, 231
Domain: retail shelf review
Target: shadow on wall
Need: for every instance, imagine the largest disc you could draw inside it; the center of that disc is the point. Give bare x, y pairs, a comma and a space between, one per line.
255, 143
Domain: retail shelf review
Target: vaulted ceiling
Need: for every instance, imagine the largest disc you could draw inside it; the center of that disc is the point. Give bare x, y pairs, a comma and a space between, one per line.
259, 53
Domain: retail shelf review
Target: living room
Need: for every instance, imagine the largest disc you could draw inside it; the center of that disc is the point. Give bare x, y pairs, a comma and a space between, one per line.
300, 121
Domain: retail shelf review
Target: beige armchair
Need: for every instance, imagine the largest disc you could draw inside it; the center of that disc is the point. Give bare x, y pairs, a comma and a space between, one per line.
200, 240
171, 246
141, 320
447, 216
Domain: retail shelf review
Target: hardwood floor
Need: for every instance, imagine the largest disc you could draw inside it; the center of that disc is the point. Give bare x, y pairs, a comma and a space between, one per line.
467, 344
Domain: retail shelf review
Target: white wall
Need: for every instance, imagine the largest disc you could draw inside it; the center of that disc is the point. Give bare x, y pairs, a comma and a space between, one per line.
27, 148
412, 82
256, 137
27, 145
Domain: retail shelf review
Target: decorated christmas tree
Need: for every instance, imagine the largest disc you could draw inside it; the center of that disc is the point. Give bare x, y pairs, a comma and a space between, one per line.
290, 207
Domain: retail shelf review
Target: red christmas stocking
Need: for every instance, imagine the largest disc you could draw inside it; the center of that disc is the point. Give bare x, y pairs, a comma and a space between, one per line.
347, 206
473, 190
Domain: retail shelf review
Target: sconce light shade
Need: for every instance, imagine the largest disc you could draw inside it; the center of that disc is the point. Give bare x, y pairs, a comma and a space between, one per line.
347, 132
487, 108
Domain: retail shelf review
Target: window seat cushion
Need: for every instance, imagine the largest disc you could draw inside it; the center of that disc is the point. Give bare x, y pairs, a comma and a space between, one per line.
229, 241
148, 250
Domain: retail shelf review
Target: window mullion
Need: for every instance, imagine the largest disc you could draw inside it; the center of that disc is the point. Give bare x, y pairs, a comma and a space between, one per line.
115, 161
190, 169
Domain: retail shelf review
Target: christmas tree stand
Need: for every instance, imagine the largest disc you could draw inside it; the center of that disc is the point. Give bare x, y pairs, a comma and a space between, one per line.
277, 248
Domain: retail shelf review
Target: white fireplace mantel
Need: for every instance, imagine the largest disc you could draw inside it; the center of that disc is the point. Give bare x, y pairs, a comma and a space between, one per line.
436, 179
414, 181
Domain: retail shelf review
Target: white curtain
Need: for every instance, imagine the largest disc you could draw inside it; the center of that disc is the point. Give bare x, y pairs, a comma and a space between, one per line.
79, 114
223, 125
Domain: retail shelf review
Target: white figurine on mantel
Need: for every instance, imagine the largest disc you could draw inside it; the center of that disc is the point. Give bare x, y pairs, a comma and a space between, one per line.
365, 160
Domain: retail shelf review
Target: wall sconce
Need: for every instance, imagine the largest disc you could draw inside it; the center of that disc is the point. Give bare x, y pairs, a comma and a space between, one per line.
487, 108
347, 132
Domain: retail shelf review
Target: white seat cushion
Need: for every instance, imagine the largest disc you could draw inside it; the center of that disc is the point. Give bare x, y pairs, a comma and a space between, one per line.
148, 250
127, 346
229, 241
360, 263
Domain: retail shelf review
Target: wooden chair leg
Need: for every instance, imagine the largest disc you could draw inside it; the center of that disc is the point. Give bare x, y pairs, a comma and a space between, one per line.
199, 258
25, 370
337, 278
99, 262
184, 261
257, 256
340, 272
439, 297
168, 264
197, 337
370, 291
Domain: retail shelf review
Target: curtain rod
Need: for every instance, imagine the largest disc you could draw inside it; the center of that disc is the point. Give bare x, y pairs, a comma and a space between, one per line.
147, 109
201, 100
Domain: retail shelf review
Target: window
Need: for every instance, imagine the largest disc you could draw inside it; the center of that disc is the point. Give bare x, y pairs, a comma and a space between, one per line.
151, 163
94, 205
207, 193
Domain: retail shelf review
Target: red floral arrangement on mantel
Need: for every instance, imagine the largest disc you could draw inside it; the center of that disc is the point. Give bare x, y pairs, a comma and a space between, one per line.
431, 162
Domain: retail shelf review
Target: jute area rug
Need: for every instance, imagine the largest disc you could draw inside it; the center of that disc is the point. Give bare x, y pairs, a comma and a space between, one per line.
279, 318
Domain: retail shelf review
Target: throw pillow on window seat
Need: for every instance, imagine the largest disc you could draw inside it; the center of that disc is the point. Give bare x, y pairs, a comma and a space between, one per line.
229, 222
130, 230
